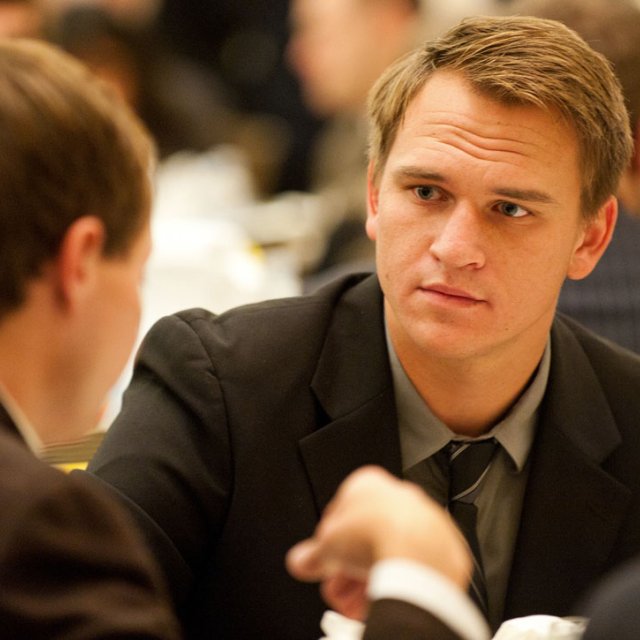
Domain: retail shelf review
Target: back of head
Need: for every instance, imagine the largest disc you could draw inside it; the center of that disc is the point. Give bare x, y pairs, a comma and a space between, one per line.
519, 61
69, 147
611, 27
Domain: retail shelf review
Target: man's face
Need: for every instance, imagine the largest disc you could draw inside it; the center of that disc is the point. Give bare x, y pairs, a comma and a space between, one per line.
477, 222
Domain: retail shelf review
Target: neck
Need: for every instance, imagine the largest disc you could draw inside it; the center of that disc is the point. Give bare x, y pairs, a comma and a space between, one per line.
34, 371
471, 395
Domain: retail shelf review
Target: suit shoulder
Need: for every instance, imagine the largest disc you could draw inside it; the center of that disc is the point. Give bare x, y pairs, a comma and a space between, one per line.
107, 587
22, 473
274, 327
28, 485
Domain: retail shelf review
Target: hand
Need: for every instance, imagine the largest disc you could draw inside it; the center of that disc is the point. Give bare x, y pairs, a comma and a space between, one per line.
374, 516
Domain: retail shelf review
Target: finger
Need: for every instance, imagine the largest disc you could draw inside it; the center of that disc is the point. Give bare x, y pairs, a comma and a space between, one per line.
304, 562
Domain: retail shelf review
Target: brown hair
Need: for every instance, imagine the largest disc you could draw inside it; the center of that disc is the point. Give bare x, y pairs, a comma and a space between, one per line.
611, 27
519, 61
68, 148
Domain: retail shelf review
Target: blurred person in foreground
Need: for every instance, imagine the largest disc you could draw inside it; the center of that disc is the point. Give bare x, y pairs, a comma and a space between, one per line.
608, 301
495, 154
75, 191
385, 552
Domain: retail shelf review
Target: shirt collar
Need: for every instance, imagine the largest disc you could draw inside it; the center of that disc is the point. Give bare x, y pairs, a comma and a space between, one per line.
21, 422
422, 434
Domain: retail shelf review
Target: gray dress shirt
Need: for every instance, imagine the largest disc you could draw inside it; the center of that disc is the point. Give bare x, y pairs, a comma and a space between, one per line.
500, 500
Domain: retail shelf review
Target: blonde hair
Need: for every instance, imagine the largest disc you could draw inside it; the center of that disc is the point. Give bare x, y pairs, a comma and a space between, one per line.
519, 61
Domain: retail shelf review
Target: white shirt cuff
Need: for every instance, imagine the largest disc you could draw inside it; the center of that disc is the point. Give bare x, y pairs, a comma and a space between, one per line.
418, 584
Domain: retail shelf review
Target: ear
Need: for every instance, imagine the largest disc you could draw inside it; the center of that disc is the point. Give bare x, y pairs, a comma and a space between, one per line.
593, 240
78, 259
373, 192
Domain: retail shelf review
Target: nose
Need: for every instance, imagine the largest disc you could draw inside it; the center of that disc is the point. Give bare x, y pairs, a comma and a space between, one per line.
460, 240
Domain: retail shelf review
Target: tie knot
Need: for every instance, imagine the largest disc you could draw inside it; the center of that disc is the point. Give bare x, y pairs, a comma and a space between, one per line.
469, 463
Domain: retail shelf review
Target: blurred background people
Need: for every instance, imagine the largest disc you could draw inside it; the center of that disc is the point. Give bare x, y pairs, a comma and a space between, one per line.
608, 301
244, 43
184, 107
338, 48
21, 18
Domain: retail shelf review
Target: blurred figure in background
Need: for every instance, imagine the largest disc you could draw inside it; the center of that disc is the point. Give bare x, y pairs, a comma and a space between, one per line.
608, 301
338, 48
184, 107
21, 18
243, 43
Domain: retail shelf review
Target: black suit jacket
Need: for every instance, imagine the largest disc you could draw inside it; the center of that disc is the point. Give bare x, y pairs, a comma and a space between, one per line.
70, 565
399, 620
237, 430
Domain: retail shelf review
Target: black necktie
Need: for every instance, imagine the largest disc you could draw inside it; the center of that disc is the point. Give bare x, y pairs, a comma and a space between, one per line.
468, 464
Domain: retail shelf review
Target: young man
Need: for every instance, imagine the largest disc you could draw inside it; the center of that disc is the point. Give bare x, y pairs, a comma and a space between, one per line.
74, 237
495, 152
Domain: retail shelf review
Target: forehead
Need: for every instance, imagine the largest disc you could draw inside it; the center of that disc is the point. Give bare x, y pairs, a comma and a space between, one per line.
449, 119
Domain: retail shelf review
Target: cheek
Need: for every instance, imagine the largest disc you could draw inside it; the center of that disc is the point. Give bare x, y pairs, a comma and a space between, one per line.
129, 323
135, 313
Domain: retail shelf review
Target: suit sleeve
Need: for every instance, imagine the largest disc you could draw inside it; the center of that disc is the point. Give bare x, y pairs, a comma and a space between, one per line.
72, 568
404, 621
418, 602
167, 454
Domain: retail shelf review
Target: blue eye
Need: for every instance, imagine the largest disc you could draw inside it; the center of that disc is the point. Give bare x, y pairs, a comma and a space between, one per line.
428, 193
512, 210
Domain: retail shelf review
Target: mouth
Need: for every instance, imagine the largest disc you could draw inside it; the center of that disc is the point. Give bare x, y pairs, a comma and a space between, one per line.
446, 293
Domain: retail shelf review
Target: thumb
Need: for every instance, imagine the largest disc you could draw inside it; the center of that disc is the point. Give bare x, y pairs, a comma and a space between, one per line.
303, 561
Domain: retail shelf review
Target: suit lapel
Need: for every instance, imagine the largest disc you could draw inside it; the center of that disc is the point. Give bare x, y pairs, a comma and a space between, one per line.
572, 508
352, 385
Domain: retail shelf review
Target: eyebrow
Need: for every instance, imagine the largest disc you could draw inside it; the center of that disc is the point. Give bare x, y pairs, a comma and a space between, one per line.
418, 174
528, 195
